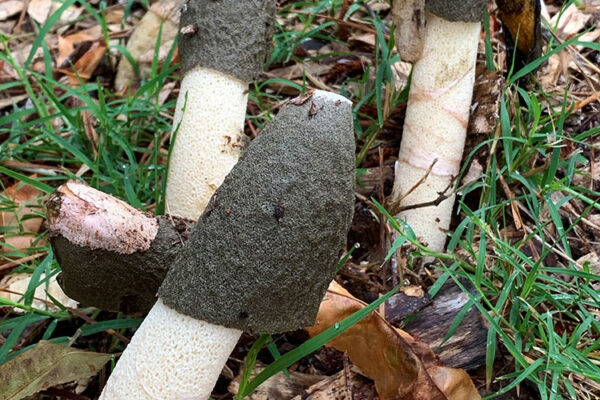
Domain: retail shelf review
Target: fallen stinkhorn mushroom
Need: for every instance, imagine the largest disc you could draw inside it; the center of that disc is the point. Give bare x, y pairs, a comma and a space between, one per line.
259, 259
112, 256
437, 115
223, 46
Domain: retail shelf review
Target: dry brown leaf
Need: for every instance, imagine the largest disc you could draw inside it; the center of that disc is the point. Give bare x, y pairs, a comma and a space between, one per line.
115, 14
25, 197
366, 39
10, 8
550, 73
591, 36
163, 52
413, 291
47, 365
41, 10
165, 91
13, 287
165, 13
572, 21
66, 45
86, 64
402, 367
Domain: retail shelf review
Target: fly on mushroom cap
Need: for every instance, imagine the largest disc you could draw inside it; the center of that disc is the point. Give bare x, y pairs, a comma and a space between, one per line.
262, 254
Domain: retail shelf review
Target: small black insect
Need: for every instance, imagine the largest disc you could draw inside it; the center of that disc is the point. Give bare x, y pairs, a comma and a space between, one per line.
279, 211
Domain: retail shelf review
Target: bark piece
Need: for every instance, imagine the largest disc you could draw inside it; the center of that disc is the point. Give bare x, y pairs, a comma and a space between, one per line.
230, 36
263, 252
486, 101
401, 305
279, 386
466, 348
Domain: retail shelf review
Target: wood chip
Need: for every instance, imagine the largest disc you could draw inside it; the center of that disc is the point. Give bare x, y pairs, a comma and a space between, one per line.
278, 386
348, 384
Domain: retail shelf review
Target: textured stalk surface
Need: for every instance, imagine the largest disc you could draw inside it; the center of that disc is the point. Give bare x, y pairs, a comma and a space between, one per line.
435, 125
209, 119
171, 356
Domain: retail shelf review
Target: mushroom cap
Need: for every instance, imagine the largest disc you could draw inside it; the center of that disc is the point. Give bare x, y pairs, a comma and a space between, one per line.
230, 36
264, 250
114, 281
463, 10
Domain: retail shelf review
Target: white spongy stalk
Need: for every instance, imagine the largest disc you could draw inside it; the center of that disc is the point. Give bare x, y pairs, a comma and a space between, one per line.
435, 125
172, 356
209, 139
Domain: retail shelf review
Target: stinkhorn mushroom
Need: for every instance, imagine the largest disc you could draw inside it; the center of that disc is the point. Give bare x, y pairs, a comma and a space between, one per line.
260, 256
437, 114
223, 46
522, 31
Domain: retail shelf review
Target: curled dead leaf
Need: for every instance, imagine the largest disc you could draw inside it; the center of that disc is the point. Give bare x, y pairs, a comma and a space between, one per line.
402, 367
41, 10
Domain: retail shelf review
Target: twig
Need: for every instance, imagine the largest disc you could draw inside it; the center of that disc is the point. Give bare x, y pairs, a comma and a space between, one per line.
441, 197
92, 321
15, 263
395, 208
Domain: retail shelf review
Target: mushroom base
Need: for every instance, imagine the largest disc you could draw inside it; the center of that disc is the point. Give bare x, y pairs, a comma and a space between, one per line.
172, 356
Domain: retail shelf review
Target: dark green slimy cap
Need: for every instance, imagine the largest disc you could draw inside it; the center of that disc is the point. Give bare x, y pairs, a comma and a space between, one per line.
452, 10
265, 249
230, 36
